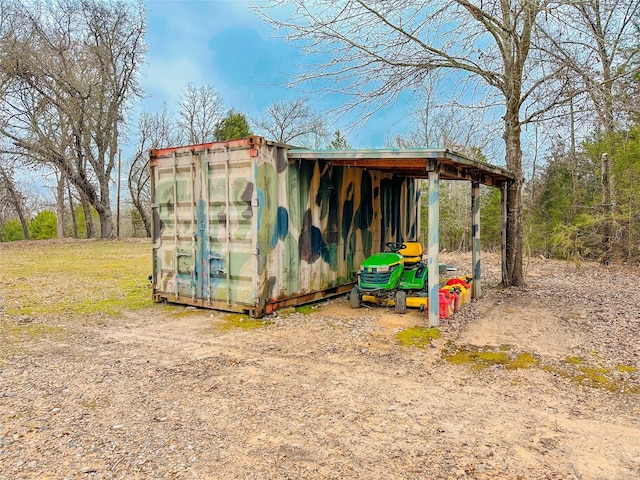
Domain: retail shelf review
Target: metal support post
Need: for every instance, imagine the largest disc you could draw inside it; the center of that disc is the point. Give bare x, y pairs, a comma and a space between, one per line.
434, 248
475, 241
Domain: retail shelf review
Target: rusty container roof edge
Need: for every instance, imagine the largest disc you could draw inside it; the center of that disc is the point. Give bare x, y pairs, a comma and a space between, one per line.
246, 142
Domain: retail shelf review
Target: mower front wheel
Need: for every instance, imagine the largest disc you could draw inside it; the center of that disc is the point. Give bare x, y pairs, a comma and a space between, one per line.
401, 302
354, 298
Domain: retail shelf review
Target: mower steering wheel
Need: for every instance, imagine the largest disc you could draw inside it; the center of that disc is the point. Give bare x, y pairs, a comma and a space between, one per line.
395, 246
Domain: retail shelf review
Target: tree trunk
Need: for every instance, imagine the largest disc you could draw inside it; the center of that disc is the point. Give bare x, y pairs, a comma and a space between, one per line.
140, 207
106, 226
74, 222
515, 273
88, 219
574, 157
16, 200
60, 205
146, 222
607, 210
514, 276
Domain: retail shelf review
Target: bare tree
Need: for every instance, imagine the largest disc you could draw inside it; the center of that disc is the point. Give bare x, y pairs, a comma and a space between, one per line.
10, 196
318, 138
293, 122
447, 125
431, 107
598, 41
379, 49
200, 110
155, 131
71, 68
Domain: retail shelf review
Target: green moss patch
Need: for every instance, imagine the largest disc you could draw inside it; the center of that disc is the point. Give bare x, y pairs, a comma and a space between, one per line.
603, 378
523, 360
419, 337
574, 360
626, 368
235, 320
574, 369
481, 358
556, 371
595, 377
477, 359
305, 309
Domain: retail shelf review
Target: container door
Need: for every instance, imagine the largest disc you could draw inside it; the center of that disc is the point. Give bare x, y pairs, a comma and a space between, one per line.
229, 249
174, 227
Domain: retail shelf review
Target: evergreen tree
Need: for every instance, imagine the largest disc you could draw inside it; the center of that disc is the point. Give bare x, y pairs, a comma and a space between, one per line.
234, 125
339, 142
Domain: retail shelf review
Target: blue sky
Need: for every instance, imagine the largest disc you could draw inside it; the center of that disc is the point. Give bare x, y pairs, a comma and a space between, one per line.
224, 44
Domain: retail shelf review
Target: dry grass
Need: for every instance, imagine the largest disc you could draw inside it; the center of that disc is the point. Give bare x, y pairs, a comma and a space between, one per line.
84, 277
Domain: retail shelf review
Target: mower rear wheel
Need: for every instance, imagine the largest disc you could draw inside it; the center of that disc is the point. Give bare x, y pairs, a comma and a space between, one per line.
354, 298
401, 301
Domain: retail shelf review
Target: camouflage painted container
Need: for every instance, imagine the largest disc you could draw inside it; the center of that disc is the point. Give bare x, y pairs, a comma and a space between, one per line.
238, 226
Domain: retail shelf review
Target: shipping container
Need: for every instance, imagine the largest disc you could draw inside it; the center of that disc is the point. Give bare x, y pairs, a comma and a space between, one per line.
242, 227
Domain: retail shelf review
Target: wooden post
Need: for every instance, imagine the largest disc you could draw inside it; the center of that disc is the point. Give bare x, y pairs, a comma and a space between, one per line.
475, 240
434, 249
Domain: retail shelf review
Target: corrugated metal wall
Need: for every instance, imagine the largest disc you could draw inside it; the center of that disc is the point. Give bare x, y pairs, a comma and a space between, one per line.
318, 222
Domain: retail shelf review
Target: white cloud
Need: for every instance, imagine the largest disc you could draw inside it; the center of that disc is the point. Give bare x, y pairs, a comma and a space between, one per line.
163, 79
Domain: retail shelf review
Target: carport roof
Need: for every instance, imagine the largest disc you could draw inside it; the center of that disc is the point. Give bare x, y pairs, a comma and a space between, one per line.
408, 162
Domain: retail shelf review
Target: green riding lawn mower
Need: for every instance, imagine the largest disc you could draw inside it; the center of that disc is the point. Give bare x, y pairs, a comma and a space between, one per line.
398, 275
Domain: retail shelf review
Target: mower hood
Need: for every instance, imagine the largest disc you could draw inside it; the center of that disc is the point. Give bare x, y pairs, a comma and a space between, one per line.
382, 259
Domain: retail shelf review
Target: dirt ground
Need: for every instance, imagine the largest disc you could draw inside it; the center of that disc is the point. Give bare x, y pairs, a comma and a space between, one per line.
168, 392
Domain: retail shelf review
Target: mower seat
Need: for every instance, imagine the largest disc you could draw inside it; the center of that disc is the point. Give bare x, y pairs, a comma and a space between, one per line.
412, 253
